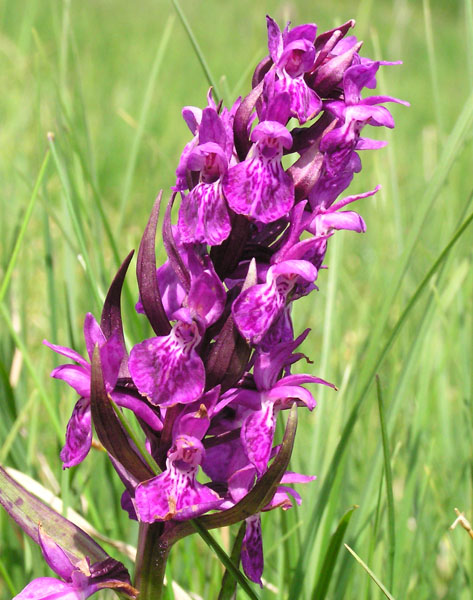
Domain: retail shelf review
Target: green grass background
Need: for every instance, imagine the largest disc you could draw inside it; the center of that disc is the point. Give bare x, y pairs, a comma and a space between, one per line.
108, 79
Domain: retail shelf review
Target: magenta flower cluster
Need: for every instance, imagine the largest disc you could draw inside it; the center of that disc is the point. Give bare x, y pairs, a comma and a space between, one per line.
259, 186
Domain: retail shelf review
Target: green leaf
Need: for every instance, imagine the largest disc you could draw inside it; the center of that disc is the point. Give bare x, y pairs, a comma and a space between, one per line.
389, 484
108, 427
21, 234
229, 583
370, 573
330, 559
28, 512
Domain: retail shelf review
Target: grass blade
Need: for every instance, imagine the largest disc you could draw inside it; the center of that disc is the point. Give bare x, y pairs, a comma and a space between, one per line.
24, 225
130, 170
52, 412
197, 50
323, 582
229, 584
370, 573
76, 222
389, 484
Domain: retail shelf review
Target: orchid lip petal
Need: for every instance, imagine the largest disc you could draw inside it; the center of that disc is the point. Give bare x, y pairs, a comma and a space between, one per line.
166, 369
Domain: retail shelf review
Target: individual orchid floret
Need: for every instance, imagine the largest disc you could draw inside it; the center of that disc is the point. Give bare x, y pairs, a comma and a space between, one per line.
240, 483
193, 118
203, 215
258, 430
326, 220
112, 354
167, 369
275, 394
252, 558
354, 112
176, 494
259, 187
338, 171
257, 307
206, 297
79, 579
293, 54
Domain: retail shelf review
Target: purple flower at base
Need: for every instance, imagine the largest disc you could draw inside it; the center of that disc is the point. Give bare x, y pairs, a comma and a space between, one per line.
259, 187
239, 484
80, 579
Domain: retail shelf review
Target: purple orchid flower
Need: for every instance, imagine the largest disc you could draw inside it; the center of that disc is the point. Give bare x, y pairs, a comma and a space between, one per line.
204, 216
79, 579
327, 219
293, 54
259, 187
239, 483
176, 493
112, 355
273, 395
192, 115
258, 307
250, 239
354, 112
167, 369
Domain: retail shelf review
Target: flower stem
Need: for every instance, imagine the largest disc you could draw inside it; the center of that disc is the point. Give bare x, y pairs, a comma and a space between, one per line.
152, 555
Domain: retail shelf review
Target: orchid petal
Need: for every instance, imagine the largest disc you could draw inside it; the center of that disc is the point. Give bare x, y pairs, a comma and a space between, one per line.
76, 376
68, 352
252, 550
257, 436
166, 369
49, 588
78, 435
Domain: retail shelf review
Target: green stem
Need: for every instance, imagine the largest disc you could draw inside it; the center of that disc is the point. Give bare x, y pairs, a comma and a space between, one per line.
151, 559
